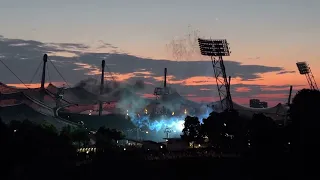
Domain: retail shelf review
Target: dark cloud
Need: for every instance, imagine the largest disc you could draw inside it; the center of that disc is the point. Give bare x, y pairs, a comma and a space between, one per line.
71, 46
106, 45
254, 58
286, 72
24, 56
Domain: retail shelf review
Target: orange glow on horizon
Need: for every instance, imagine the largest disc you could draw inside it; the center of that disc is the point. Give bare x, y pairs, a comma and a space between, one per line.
148, 96
35, 85
242, 89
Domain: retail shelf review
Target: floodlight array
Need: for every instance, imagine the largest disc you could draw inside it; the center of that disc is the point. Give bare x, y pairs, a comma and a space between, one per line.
214, 47
303, 68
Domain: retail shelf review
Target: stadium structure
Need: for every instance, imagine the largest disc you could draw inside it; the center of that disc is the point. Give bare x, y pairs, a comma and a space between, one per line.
169, 103
60, 106
120, 108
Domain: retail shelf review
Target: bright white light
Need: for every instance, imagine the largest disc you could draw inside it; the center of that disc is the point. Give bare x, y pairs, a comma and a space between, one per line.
161, 147
179, 126
147, 132
124, 149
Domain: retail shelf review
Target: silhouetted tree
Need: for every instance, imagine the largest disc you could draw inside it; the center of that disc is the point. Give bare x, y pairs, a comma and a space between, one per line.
191, 130
80, 136
213, 128
36, 147
66, 132
262, 134
304, 114
116, 135
225, 130
49, 128
234, 131
105, 138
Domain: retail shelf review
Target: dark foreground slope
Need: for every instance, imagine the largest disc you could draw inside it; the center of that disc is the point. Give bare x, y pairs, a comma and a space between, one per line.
112, 121
22, 112
187, 168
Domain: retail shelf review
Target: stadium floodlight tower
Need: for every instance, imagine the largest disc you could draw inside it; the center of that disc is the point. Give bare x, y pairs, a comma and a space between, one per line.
216, 49
304, 69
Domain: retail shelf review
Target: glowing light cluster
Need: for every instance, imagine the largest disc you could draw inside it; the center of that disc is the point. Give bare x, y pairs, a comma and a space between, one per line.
176, 123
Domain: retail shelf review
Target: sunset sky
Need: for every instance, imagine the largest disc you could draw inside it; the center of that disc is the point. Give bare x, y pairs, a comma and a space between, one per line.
266, 38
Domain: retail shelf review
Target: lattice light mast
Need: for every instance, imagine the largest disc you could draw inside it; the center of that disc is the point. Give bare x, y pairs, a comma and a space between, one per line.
216, 49
304, 69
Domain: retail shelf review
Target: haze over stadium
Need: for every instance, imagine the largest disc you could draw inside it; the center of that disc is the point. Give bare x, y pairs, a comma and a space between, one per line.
259, 54
93, 87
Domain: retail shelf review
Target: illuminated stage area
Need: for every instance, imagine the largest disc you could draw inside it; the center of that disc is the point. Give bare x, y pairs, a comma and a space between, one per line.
159, 127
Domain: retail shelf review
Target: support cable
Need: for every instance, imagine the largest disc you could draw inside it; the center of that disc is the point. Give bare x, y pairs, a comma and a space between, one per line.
37, 70
14, 74
111, 74
96, 77
48, 74
59, 73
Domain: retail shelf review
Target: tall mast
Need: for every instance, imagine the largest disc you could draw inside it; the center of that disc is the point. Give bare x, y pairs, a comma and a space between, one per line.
165, 78
101, 84
290, 93
43, 78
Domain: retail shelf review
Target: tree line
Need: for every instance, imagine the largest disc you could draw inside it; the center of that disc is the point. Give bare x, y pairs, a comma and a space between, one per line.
261, 137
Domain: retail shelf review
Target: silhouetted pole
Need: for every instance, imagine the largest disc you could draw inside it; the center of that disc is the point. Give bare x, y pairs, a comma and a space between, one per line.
101, 85
43, 78
165, 78
138, 134
290, 93
289, 102
229, 94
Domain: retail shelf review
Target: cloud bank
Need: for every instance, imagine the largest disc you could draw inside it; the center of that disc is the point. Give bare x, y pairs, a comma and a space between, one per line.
192, 79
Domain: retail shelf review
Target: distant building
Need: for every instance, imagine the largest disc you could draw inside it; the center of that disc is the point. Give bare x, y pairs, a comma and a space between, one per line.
263, 104
256, 103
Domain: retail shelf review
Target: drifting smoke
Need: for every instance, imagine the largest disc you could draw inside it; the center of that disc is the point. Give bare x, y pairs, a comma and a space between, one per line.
129, 99
134, 106
93, 85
